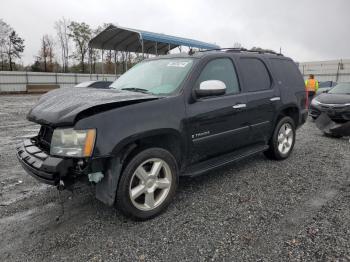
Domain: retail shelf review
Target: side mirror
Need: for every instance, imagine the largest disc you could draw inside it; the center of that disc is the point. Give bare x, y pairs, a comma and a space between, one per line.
211, 88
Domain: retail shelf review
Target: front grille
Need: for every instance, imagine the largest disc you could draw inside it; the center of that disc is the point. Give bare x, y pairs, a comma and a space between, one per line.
44, 138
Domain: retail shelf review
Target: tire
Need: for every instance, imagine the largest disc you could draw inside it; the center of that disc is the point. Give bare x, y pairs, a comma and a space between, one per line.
151, 172
282, 150
332, 135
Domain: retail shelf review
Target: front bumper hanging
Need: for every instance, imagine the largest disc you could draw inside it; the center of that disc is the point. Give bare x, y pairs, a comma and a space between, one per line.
327, 125
38, 164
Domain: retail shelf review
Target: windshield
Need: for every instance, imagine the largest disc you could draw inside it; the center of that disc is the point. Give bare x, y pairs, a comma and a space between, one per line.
159, 77
343, 88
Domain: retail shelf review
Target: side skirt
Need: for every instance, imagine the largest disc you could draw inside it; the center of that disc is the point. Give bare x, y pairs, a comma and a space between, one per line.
223, 160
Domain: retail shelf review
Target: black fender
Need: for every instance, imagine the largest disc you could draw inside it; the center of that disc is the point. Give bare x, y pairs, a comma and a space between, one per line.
106, 189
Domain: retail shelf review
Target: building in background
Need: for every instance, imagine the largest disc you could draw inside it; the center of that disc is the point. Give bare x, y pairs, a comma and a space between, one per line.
332, 70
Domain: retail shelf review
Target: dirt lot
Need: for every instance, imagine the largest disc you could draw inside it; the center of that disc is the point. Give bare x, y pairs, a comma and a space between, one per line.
255, 210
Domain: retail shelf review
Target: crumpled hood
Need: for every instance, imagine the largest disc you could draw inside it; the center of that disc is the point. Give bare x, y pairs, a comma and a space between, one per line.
61, 106
329, 98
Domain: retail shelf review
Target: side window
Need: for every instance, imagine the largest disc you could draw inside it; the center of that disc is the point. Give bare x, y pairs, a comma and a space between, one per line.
221, 69
287, 72
255, 75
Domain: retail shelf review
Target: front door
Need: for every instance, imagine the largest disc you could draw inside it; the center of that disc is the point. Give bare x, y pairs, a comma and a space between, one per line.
217, 125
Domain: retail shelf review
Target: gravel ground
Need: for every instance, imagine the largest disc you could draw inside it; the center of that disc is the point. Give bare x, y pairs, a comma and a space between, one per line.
254, 210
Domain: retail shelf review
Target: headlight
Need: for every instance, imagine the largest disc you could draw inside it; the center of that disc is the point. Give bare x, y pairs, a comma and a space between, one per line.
73, 143
315, 102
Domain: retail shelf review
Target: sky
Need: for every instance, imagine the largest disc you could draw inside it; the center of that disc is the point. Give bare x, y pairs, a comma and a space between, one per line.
305, 30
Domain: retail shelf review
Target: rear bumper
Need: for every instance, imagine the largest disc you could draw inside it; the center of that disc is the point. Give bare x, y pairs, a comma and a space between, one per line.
38, 164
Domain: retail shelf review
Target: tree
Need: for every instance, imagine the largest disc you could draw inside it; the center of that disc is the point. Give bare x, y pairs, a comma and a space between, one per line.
80, 33
109, 55
61, 27
36, 67
237, 45
14, 47
46, 55
259, 49
5, 31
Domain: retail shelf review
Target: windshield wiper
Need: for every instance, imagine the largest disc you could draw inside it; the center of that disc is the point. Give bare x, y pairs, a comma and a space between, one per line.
135, 89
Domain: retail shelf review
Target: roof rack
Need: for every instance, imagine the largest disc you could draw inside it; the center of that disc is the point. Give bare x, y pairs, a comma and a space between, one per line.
244, 50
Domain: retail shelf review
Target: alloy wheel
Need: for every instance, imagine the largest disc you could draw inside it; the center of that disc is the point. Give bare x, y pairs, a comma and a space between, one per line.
285, 138
150, 184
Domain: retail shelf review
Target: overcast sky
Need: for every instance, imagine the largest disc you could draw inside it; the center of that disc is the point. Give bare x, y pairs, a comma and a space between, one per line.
306, 30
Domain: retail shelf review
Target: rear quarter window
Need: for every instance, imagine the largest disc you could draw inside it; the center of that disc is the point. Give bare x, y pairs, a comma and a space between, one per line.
287, 72
255, 74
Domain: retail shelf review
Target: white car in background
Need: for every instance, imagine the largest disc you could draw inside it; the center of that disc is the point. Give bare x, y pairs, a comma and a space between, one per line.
96, 84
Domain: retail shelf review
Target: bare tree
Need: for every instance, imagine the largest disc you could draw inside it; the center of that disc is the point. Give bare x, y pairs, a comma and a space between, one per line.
5, 31
61, 27
46, 54
95, 53
237, 45
81, 35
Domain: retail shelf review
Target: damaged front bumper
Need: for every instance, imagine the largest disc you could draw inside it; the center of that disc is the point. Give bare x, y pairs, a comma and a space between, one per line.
43, 167
337, 113
64, 172
54, 170
328, 126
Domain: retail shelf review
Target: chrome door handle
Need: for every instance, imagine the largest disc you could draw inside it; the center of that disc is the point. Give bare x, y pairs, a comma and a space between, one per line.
277, 98
239, 106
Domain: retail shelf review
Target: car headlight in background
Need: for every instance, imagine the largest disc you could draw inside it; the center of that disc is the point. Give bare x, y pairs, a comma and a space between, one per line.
72, 143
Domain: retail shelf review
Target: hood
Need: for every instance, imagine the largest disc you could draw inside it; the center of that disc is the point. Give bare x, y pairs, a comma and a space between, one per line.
329, 98
61, 106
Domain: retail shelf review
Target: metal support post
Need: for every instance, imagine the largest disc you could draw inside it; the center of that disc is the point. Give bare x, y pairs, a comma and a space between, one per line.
90, 61
115, 62
103, 67
142, 47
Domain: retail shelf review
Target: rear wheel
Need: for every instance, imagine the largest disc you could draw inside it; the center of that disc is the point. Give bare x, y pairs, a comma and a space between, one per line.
283, 139
148, 184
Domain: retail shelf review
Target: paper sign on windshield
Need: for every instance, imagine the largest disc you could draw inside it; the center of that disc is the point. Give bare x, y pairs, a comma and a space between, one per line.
178, 64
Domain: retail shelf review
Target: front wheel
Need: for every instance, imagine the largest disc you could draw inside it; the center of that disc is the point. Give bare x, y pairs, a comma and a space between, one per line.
283, 139
148, 184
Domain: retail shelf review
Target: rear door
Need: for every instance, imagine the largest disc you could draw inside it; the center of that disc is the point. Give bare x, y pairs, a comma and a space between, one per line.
262, 97
291, 83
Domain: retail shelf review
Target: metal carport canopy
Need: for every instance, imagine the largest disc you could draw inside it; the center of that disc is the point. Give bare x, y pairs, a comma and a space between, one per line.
139, 41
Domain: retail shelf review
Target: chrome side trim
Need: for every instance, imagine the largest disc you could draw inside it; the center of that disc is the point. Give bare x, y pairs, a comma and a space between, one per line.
228, 132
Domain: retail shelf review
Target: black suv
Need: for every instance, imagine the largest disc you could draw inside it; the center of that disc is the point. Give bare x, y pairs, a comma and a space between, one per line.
170, 116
